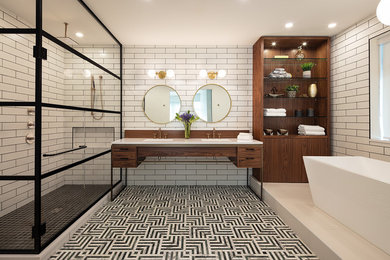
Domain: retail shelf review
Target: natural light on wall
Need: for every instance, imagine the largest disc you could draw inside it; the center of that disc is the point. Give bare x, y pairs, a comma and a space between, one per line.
380, 87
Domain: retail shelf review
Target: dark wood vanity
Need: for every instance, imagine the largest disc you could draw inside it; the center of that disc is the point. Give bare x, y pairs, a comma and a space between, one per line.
131, 153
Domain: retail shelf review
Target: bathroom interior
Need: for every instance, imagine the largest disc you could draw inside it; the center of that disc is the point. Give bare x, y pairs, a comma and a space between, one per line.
164, 130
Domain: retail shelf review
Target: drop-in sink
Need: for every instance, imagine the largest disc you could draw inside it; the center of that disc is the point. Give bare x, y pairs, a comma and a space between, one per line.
158, 140
216, 140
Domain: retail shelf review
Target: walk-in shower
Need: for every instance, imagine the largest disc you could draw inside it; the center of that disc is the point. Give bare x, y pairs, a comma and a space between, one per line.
56, 121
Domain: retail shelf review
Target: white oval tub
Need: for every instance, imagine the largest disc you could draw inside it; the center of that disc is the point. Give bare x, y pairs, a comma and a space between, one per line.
355, 191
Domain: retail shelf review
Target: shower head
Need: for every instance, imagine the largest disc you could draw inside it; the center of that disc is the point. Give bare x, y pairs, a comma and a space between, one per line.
66, 39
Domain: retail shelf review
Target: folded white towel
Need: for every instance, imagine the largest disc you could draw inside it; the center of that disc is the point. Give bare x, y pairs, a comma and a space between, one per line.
275, 114
276, 110
244, 137
311, 133
311, 127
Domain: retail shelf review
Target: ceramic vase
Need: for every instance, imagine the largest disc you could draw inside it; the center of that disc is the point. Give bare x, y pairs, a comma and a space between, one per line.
307, 74
312, 91
291, 94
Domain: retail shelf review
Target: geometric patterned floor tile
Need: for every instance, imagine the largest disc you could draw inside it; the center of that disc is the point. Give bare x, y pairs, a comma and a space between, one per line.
185, 223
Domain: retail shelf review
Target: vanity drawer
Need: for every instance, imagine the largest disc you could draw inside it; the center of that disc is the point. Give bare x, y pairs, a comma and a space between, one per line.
250, 162
123, 149
248, 151
124, 156
123, 162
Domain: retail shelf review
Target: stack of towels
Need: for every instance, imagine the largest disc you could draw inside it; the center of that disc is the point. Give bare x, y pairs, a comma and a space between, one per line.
311, 130
280, 73
244, 137
274, 112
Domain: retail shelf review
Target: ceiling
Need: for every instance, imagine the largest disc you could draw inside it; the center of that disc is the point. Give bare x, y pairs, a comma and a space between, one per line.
196, 22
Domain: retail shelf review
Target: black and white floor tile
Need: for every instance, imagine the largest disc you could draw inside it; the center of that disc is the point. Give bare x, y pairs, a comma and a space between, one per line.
185, 223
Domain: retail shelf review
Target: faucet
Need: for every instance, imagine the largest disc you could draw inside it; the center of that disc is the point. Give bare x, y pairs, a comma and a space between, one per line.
213, 132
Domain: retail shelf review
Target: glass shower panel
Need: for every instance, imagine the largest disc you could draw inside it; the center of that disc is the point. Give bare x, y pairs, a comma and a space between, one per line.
17, 140
16, 215
81, 31
73, 81
17, 67
72, 193
69, 136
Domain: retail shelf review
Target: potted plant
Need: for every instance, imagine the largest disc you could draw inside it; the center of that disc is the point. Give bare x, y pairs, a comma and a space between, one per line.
187, 119
306, 67
292, 91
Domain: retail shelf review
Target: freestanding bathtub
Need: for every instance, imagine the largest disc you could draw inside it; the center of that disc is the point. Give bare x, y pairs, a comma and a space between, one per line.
355, 191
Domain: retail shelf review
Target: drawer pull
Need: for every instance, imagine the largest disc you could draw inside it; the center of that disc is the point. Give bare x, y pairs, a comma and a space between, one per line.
250, 149
123, 159
123, 149
250, 158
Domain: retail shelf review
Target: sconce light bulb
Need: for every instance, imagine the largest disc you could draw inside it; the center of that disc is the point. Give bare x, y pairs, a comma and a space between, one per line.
383, 12
221, 73
170, 74
203, 74
273, 43
304, 43
151, 73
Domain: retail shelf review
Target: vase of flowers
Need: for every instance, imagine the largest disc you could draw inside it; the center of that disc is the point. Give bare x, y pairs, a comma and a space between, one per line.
187, 119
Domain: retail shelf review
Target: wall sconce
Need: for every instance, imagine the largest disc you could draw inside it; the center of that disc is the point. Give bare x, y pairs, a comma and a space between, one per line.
212, 74
161, 74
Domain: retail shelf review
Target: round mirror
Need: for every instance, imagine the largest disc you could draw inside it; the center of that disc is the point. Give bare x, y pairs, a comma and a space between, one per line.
212, 103
161, 103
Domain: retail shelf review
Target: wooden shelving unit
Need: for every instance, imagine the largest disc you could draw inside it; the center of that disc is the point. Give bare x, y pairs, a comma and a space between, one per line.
283, 154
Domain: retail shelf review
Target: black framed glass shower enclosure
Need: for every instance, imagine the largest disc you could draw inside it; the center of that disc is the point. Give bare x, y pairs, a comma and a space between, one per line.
60, 109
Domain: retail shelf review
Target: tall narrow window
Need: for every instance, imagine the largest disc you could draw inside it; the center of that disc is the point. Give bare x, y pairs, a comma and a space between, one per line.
380, 87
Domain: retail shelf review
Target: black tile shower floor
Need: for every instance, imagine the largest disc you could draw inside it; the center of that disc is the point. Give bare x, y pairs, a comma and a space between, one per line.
59, 208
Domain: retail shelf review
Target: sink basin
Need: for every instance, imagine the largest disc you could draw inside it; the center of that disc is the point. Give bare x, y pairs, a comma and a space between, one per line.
158, 140
216, 140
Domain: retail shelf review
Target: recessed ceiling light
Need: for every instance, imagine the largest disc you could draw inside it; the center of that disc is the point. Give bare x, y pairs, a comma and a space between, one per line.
332, 25
289, 25
79, 34
304, 43
273, 43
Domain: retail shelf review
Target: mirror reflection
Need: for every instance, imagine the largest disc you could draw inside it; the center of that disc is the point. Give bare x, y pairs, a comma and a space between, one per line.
212, 103
161, 103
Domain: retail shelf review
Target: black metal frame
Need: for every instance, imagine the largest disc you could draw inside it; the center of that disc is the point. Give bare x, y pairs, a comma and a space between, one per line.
38, 104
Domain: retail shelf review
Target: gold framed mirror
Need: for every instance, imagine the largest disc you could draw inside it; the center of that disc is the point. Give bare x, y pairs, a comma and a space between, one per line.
161, 103
212, 103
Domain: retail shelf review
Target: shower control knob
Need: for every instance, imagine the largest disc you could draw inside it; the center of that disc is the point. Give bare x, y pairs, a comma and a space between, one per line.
30, 138
30, 124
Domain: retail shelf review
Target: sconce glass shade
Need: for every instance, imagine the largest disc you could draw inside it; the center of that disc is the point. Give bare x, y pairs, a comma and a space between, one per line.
383, 12
151, 73
203, 74
170, 74
221, 74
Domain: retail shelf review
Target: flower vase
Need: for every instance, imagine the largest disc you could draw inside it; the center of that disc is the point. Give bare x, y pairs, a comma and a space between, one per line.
187, 131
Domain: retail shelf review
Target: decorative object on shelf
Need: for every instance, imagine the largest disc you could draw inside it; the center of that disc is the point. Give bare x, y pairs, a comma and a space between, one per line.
292, 91
280, 73
274, 93
382, 12
161, 74
311, 130
282, 131
268, 131
299, 55
212, 74
312, 90
298, 113
307, 67
187, 119
310, 112
275, 112
281, 57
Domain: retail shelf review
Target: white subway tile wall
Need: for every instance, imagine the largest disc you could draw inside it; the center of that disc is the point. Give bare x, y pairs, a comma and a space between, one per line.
187, 61
350, 92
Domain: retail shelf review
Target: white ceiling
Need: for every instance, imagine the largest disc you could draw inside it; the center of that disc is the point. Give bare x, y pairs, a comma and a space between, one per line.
195, 22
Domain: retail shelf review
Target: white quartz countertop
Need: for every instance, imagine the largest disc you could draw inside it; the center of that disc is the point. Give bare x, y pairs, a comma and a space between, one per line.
185, 142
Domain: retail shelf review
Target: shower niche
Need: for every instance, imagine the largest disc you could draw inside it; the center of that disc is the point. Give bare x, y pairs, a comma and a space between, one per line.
59, 114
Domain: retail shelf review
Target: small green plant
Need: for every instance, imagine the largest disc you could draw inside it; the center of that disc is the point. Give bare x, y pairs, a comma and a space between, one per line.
307, 66
292, 88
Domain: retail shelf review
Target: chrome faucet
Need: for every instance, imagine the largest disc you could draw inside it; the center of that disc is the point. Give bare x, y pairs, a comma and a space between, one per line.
214, 132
